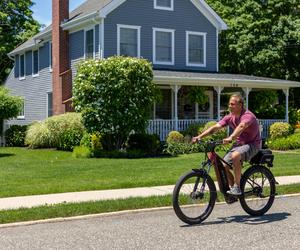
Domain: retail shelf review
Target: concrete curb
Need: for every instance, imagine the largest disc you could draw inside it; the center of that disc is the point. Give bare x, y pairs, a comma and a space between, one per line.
89, 216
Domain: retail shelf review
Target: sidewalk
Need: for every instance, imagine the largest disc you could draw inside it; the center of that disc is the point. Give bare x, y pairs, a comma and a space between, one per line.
39, 200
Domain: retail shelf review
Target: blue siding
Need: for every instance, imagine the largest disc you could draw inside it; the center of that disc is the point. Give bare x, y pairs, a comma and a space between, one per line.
76, 49
33, 89
185, 17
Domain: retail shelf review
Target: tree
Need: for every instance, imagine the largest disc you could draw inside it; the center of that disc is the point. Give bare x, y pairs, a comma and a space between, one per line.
10, 106
115, 96
16, 26
263, 38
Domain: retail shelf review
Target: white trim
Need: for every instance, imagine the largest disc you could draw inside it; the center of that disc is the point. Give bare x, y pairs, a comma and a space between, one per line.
187, 33
32, 52
172, 31
80, 21
22, 117
217, 50
102, 39
22, 77
210, 14
94, 40
50, 57
171, 8
138, 28
110, 7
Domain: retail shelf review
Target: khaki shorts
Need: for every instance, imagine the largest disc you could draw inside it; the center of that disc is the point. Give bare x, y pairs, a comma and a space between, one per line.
247, 151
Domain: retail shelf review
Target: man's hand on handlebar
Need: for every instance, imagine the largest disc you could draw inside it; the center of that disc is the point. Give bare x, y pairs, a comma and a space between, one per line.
196, 138
227, 140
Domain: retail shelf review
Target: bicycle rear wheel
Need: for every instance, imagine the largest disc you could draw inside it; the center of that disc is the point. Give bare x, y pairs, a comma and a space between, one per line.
194, 198
258, 187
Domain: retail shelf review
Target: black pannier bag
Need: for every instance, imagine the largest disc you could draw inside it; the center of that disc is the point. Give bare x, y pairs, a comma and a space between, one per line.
264, 156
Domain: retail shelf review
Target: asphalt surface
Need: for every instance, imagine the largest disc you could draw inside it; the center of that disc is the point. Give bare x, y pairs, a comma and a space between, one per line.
228, 227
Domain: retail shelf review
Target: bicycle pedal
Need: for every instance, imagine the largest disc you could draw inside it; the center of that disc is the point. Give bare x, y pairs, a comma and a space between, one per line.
230, 200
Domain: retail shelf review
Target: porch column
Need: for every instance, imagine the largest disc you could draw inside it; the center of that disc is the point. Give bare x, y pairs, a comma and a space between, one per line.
286, 92
219, 90
247, 91
175, 90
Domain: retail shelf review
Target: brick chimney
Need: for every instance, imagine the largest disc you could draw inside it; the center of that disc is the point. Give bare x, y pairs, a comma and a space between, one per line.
61, 72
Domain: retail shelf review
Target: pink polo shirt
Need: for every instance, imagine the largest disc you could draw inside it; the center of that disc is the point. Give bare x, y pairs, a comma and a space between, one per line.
251, 134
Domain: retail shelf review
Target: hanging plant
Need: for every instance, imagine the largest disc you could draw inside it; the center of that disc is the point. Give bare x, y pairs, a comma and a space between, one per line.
197, 95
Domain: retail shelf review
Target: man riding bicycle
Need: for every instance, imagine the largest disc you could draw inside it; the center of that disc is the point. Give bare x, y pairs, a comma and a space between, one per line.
246, 134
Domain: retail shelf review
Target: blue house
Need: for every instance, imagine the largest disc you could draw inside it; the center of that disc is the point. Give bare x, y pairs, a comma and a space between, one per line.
179, 37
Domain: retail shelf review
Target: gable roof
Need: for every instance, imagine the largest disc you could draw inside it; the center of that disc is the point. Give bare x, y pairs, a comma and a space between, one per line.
101, 8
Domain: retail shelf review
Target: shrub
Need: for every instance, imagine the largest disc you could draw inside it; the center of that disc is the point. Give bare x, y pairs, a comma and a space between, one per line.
115, 96
176, 148
175, 136
285, 143
81, 152
280, 129
38, 136
146, 143
221, 134
15, 135
194, 129
62, 132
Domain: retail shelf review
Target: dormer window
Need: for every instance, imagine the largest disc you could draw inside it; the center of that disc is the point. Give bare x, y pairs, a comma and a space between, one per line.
164, 4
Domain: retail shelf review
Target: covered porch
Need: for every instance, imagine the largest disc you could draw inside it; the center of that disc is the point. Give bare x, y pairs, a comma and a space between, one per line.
177, 112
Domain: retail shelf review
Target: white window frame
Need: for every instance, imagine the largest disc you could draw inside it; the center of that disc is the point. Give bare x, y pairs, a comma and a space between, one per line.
171, 8
138, 28
94, 41
22, 77
50, 56
37, 74
172, 31
203, 34
22, 117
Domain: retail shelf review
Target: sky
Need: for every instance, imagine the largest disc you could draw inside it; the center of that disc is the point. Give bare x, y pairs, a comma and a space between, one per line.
42, 10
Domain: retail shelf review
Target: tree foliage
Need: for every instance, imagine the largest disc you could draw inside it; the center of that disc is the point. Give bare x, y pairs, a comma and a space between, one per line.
263, 38
16, 26
115, 96
10, 106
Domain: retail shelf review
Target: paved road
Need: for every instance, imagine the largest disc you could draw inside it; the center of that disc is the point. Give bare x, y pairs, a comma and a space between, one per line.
228, 227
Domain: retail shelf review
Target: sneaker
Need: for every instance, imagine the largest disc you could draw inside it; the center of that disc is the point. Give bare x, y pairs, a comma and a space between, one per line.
235, 190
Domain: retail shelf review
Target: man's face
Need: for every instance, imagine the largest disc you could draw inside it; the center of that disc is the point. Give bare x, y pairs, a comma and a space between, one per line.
234, 105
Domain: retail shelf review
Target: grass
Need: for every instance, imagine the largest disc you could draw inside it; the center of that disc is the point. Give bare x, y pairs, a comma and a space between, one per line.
29, 172
76, 209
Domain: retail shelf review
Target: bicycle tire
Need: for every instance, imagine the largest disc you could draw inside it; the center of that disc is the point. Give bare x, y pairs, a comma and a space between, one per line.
251, 185
182, 199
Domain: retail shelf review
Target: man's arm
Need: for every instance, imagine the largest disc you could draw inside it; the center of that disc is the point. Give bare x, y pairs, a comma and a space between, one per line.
238, 130
207, 132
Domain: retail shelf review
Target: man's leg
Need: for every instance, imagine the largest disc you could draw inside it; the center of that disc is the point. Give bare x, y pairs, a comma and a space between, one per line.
229, 175
237, 167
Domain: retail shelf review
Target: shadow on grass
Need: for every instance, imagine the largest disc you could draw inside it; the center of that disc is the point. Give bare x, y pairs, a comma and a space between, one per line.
6, 155
246, 219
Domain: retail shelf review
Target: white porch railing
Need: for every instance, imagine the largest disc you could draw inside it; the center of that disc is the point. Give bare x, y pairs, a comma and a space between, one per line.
163, 127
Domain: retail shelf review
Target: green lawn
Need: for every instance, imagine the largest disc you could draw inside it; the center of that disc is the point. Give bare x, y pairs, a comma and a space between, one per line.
27, 172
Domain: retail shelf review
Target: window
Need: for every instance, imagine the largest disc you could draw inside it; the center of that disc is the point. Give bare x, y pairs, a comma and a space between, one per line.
195, 49
22, 67
35, 63
163, 46
164, 4
89, 43
49, 104
50, 56
129, 40
21, 115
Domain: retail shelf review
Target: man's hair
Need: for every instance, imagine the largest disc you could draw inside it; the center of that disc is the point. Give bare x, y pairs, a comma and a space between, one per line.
239, 98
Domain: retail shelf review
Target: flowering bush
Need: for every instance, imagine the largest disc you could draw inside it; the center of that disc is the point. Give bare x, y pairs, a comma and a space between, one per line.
115, 96
280, 129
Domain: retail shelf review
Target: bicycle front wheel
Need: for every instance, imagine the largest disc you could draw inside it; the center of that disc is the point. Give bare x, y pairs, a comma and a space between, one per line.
194, 197
258, 187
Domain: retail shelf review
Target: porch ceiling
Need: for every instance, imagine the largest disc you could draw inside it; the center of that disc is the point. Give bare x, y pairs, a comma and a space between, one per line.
162, 77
